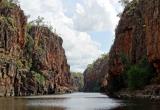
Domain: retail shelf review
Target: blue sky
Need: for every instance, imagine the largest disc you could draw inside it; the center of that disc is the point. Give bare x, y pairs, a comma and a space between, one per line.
105, 38
86, 26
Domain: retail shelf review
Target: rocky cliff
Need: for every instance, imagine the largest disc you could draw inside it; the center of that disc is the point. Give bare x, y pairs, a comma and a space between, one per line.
48, 59
137, 37
32, 59
95, 76
129, 40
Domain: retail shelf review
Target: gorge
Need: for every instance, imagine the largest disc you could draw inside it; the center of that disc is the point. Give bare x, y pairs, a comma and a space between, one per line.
33, 61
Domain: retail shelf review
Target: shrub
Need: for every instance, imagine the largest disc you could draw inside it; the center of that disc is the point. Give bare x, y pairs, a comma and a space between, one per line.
9, 22
117, 82
138, 77
39, 77
29, 44
134, 76
9, 3
140, 74
19, 64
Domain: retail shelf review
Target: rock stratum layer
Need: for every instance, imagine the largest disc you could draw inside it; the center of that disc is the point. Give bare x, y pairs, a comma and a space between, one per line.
32, 59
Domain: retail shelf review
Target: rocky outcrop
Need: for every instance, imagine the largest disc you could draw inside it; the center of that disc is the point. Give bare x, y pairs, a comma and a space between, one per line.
95, 76
12, 39
137, 37
32, 59
48, 59
130, 39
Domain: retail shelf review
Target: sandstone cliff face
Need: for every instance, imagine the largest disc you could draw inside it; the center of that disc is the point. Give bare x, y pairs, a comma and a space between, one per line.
130, 39
151, 11
12, 38
95, 76
137, 36
32, 62
49, 59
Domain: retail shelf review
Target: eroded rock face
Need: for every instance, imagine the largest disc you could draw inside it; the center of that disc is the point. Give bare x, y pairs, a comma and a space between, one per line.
95, 76
32, 62
151, 13
130, 40
137, 36
12, 39
49, 59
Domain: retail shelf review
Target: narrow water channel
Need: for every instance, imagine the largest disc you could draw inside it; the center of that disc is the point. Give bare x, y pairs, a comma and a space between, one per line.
75, 101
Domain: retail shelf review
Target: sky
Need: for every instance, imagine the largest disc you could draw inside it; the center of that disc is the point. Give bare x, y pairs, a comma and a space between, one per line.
86, 26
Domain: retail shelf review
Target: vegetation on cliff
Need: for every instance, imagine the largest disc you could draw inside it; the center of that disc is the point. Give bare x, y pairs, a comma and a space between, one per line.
77, 81
32, 59
8, 3
134, 76
134, 56
139, 75
95, 76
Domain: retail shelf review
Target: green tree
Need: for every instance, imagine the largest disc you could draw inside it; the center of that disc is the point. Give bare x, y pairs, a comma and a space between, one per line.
140, 74
137, 77
39, 21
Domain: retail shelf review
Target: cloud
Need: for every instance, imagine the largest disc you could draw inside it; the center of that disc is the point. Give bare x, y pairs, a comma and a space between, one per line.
117, 6
73, 20
95, 15
79, 46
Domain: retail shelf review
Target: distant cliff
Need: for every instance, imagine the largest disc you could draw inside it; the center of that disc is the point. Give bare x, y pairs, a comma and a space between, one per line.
95, 76
77, 81
32, 59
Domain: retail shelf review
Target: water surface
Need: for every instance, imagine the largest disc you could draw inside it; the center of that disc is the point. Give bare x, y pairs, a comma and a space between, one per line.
75, 101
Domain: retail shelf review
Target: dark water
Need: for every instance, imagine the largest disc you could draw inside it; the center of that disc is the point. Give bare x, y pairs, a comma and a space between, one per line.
75, 101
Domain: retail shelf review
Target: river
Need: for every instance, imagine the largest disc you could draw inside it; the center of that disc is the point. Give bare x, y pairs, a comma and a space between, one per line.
74, 101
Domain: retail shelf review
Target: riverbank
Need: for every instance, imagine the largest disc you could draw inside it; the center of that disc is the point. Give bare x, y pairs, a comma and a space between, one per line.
150, 92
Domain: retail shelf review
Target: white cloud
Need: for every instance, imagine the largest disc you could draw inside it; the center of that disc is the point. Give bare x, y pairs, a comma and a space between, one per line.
88, 15
95, 15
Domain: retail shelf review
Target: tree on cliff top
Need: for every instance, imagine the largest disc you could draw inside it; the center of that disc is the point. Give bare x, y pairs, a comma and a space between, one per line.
124, 2
40, 22
8, 3
13, 1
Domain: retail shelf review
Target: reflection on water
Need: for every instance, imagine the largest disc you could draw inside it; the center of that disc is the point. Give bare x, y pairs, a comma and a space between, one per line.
75, 101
